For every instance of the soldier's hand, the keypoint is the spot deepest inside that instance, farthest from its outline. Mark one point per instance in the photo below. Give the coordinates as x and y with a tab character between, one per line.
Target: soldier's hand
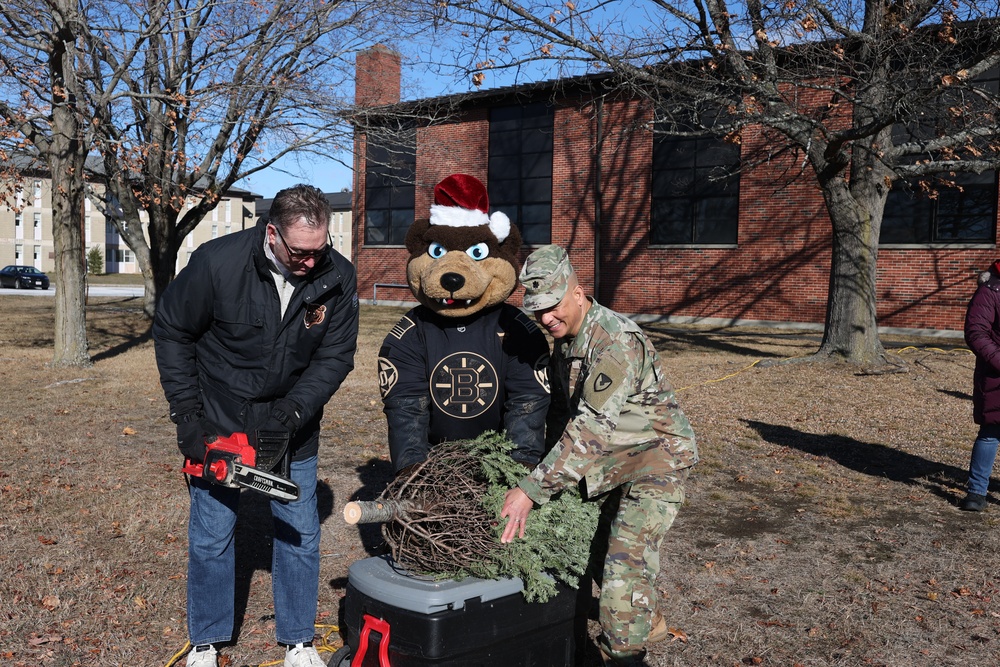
516	507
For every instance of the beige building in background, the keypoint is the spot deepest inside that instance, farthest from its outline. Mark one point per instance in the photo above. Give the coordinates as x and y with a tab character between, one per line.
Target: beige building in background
26	227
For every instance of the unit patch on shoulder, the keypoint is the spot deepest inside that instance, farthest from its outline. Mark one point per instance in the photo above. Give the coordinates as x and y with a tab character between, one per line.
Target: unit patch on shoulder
604	381
464	385
401	327
387	376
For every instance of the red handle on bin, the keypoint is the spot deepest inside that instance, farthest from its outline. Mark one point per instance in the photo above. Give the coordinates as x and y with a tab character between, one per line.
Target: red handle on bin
380	626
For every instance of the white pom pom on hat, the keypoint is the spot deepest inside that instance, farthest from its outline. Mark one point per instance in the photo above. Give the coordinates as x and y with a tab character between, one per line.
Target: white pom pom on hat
460	200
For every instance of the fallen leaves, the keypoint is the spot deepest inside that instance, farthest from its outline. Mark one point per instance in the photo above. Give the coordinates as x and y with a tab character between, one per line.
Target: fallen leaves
39	640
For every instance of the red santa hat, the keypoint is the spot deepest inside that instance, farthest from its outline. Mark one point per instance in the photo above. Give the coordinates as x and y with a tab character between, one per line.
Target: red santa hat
461	201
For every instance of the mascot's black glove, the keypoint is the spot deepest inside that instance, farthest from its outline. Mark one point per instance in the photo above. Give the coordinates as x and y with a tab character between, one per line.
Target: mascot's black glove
193	430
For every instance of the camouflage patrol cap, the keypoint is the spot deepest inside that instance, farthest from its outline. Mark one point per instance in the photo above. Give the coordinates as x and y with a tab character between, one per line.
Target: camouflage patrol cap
545	277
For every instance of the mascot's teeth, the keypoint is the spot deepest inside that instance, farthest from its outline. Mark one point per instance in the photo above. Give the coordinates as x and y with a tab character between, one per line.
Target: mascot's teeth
453	302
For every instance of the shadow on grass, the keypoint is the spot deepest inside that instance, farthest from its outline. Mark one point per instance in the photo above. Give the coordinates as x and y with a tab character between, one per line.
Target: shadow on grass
956	394
255	542
742	343
868	458
124	346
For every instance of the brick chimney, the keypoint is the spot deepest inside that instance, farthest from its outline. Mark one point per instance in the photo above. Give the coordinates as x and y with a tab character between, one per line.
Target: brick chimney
377	75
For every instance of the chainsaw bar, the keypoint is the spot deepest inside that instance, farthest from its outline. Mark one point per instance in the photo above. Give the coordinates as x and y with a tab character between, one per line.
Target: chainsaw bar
265	482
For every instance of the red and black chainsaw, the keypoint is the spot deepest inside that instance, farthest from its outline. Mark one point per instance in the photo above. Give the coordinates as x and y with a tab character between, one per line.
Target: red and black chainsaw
230	461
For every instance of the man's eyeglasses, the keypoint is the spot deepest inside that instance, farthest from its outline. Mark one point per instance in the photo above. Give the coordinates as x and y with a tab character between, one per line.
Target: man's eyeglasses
302	255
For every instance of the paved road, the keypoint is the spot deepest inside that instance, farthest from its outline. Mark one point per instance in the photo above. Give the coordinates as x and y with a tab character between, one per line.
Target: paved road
94	290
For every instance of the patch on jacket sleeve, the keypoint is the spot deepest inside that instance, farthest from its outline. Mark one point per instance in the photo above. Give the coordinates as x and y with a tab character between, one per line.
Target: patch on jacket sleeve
387	376
603	381
526	322
401	327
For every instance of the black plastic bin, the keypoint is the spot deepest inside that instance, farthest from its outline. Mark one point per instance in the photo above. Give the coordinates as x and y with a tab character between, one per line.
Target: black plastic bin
467	623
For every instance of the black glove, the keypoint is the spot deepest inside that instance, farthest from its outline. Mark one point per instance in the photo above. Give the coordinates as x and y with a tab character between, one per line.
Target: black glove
286	415
270	438
192	433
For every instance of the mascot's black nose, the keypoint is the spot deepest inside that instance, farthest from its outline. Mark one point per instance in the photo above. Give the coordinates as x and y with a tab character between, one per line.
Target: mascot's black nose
452	282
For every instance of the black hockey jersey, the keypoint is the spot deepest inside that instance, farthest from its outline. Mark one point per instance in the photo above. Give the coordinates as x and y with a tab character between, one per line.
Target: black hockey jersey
445	378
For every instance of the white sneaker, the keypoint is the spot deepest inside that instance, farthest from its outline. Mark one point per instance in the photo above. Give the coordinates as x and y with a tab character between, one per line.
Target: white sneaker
303	655
203	656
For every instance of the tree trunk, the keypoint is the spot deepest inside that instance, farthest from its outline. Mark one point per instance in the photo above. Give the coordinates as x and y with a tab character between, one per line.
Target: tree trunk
164	243
851	331
65	157
71	348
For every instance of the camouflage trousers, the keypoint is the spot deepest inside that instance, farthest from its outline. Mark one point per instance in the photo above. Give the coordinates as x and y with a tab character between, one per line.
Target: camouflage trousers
635	519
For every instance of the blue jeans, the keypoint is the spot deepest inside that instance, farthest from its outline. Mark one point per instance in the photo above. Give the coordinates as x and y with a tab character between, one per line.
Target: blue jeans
212	560
984	452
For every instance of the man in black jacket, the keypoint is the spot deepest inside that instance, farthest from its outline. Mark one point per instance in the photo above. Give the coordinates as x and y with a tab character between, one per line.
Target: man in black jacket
256	334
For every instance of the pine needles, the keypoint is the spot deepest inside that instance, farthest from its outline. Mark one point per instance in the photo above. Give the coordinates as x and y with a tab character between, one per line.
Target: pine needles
449	524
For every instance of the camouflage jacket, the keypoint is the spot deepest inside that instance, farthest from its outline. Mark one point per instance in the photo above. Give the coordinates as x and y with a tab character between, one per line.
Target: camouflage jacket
622	420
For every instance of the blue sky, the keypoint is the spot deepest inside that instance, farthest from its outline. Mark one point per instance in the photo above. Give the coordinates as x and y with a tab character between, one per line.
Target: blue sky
327	175
419	82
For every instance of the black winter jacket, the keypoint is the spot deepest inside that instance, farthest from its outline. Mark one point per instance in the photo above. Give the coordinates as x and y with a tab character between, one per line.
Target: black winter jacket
222	346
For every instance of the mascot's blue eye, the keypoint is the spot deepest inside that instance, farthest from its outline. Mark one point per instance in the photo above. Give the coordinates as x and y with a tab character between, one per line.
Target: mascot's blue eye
436	250
478	252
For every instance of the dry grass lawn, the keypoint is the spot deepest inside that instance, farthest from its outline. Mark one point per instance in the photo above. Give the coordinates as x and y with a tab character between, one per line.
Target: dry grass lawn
820	529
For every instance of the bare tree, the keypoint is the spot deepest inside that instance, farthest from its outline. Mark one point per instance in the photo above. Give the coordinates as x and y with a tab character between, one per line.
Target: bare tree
39	107
180	100
863	94
194	95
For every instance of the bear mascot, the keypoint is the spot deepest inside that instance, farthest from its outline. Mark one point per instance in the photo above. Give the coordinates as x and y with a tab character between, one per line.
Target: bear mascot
463	362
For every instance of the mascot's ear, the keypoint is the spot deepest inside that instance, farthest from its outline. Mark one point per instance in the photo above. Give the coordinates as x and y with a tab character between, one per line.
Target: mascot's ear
415	242
511	246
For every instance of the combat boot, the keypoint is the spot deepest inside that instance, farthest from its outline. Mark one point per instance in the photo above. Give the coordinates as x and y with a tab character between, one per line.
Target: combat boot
658	628
622	658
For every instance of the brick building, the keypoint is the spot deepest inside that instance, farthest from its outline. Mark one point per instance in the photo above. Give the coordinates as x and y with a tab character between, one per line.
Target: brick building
649	234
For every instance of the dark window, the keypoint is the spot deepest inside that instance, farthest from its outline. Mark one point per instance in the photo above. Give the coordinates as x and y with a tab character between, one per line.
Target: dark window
961	213
696	189
943	208
390	169
520	168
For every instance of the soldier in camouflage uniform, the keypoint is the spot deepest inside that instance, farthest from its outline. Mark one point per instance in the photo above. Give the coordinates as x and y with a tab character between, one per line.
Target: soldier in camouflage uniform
616	426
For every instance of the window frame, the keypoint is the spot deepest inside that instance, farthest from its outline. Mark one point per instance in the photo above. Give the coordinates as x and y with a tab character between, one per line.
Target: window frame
390	177
704	170
959	188
520	167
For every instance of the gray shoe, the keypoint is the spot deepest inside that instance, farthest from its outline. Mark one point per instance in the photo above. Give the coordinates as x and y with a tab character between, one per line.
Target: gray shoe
973	502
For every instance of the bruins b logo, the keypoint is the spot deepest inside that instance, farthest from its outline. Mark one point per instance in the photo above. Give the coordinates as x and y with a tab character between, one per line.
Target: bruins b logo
464	385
